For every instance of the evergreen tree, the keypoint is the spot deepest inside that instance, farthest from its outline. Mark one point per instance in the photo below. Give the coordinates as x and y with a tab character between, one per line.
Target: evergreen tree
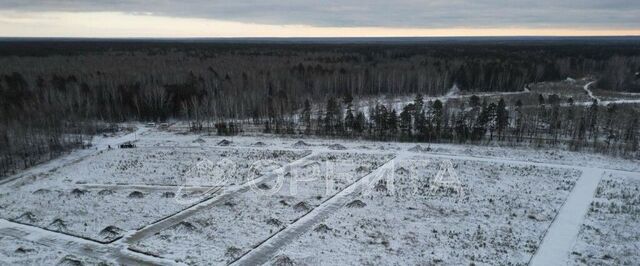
306	116
502	118
392	122
437	117
360	122
405	122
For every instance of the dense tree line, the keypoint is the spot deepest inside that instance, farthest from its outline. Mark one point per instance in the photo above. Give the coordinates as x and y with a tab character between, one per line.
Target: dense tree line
51	90
552	122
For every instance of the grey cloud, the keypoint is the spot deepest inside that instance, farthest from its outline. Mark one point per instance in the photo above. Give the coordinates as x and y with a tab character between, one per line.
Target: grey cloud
401	13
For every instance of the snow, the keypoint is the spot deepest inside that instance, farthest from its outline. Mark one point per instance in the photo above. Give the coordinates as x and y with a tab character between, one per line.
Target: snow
230	229
589	92
564	229
14	251
319	201
500	218
117	190
610	235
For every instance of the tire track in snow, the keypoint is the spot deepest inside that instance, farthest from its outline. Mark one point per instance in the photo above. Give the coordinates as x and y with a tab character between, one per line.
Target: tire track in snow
268	249
78	246
563	231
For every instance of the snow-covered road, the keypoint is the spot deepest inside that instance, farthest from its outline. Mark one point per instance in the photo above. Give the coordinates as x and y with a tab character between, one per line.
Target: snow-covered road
589	92
78	246
563	232
265	251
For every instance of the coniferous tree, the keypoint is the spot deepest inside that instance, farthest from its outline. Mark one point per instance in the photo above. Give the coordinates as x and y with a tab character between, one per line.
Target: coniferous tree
502	118
437	117
405	122
306	116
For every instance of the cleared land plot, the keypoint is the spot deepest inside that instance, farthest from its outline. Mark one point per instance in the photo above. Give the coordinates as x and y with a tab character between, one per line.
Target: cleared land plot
228	230
499	216
610	234
14	251
170	166
82	200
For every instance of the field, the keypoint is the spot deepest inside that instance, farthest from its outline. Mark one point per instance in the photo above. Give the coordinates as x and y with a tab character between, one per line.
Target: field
499	214
198	199
610	235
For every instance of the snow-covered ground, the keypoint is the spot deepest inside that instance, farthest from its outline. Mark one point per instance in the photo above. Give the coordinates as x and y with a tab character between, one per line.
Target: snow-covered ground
498	216
610	234
201	199
229	230
14	251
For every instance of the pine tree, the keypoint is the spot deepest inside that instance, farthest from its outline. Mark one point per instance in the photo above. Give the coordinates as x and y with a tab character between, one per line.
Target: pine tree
437	117
306	116
392	122
360	122
405	122
502	118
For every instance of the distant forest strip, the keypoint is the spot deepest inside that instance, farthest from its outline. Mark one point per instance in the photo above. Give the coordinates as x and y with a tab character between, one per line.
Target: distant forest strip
51	90
552	121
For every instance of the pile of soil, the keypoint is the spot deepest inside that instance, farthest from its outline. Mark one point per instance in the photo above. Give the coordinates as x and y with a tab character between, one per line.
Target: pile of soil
337	147
136	195
356	204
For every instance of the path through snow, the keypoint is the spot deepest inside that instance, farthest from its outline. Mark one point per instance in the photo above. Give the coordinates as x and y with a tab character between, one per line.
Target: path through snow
268	249
563	232
586	88
78	246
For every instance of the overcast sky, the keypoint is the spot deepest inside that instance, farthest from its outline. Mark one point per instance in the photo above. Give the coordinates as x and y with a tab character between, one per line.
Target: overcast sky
211	18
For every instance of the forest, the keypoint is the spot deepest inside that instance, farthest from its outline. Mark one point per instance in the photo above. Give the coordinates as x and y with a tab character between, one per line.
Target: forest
56	92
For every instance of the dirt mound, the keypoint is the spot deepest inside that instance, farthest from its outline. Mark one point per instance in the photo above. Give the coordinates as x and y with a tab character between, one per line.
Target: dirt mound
233	252
381	186
22	250
362	169
224	142
274	222
322	228
419	148
136	195
105	192
259	144
301	207
41	191
168	195
70	261
337	147
185	227
27	217
356	204
300	144
78	192
58	225
402	171
110	232
282	260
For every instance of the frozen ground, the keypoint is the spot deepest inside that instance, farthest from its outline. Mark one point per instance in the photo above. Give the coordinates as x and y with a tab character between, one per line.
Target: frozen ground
610	234
228	230
14	251
200	199
499	215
